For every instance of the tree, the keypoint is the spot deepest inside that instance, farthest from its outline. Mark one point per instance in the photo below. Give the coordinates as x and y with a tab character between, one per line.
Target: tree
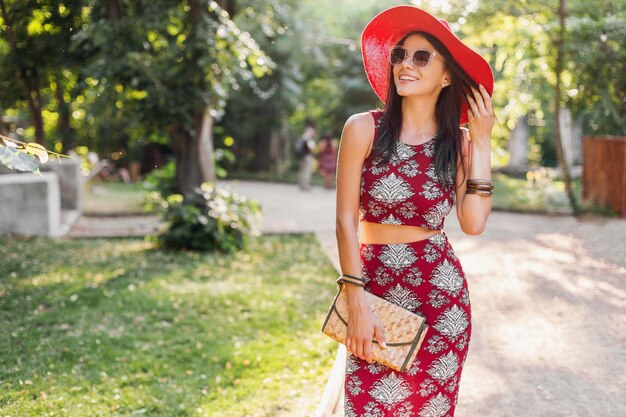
171	65
560	47
35	55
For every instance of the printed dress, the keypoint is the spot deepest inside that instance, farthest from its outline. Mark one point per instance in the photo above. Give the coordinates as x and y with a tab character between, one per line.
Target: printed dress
424	277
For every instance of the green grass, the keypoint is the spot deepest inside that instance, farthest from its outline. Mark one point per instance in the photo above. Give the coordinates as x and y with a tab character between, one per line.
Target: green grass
114	198
541	195
116	328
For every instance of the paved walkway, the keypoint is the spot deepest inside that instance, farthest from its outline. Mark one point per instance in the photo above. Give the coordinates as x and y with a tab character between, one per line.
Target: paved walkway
548	296
549	305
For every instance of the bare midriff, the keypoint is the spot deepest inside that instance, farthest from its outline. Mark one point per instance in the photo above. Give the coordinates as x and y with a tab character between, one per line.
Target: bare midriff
393	233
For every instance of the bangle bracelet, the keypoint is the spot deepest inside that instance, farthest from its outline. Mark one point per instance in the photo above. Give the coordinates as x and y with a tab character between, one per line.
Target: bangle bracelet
478	181
353	277
342	280
480	187
479	192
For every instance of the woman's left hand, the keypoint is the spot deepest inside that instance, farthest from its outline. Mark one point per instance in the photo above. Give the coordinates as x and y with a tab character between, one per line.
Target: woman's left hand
481	117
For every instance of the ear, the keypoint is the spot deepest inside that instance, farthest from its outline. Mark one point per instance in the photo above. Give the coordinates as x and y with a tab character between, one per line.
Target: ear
445	79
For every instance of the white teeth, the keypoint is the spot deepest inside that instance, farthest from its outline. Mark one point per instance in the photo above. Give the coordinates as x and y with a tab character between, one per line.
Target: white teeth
407	78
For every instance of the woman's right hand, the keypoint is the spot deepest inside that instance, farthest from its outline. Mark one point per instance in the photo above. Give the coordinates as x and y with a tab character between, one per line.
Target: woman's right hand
362	326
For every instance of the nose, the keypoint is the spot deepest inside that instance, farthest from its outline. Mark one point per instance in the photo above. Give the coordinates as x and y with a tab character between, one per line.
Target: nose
408	57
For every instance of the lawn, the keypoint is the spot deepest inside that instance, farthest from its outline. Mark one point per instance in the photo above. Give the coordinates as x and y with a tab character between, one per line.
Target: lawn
116	328
114	198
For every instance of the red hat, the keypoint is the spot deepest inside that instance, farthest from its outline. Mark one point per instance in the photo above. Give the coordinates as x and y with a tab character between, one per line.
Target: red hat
388	27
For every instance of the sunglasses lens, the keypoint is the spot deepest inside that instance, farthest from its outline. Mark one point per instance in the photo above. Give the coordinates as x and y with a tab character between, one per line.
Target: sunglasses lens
397	56
421	58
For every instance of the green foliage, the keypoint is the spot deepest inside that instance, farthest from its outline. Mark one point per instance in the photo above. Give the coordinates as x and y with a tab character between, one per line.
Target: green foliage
162	180
596	54
145	332
211	218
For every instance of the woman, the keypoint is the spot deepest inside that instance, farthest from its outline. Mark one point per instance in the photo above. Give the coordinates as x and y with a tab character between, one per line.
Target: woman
328	160
400	170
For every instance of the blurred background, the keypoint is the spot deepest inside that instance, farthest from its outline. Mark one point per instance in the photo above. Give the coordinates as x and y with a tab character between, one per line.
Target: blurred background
223	89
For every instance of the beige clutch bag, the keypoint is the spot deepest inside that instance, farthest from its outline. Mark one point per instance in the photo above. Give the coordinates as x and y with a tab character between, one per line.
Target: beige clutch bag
403	330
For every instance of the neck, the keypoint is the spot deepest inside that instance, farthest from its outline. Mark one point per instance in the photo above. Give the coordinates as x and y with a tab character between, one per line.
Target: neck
418	117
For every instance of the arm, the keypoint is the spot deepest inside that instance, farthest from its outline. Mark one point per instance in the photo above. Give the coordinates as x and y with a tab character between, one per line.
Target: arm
472	209
353	149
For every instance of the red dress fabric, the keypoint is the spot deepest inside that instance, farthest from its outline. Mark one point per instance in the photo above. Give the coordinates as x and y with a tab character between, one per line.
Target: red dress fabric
424	277
405	190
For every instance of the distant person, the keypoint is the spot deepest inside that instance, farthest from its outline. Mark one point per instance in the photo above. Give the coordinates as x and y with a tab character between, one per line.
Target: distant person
401	171
328	159
305	148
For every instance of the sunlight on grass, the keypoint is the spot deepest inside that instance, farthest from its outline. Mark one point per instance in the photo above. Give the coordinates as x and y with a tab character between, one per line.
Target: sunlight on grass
114	198
113	327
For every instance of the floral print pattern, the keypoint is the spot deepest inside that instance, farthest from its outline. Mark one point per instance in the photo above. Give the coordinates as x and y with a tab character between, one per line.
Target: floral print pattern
405	190
423	278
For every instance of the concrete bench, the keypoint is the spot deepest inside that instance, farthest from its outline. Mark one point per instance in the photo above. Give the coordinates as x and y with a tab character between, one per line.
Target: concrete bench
30	204
70	182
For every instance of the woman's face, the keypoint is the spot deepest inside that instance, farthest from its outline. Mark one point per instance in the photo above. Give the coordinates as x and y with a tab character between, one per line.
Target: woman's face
411	80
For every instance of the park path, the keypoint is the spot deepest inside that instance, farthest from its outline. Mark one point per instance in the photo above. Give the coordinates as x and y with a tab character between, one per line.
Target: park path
548	298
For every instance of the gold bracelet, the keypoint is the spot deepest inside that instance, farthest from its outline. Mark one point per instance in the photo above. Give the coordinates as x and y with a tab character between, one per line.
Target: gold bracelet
479	192
479	181
480	187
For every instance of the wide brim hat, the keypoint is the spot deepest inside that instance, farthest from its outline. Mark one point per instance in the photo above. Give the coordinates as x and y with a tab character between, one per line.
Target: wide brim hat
388	27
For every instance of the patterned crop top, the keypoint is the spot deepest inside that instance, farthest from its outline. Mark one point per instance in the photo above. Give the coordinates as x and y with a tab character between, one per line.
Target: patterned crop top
405	190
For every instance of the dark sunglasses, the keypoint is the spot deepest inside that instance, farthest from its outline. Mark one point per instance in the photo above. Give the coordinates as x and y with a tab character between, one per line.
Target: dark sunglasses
421	58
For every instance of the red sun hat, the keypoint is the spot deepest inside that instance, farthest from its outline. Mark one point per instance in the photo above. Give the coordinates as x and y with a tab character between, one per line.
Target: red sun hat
388	27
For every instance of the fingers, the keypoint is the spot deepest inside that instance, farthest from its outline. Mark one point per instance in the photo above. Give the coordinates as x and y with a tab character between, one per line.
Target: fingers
480	104
367	351
486	98
379	335
472	111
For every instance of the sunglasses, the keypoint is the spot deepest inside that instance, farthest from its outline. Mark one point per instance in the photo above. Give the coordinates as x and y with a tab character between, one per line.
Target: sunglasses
421	58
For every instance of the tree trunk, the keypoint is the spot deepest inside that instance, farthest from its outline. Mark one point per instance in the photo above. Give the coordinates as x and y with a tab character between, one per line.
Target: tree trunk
557	106
66	133
188	171
230	6
29	79
114	11
205	147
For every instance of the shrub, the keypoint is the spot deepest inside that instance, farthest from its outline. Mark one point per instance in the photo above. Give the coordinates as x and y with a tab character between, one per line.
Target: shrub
162	180
210	219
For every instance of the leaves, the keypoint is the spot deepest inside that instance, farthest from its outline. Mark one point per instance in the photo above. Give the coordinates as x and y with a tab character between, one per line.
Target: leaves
38	150
14	158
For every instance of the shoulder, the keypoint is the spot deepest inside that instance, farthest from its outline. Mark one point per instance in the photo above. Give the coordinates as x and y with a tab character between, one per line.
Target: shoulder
361	121
358	132
360	125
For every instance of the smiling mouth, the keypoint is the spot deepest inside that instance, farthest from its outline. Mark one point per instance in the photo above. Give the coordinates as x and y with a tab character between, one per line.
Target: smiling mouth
407	78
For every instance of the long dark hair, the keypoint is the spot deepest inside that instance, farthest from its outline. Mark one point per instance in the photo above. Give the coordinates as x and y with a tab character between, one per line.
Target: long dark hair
449	138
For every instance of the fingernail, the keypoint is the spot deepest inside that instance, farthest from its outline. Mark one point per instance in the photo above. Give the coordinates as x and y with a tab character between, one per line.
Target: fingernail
384	344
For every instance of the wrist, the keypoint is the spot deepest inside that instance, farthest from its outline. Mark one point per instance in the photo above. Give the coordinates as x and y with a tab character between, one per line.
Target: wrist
482	147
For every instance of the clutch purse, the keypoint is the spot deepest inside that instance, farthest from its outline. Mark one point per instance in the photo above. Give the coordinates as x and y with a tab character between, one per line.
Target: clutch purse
404	331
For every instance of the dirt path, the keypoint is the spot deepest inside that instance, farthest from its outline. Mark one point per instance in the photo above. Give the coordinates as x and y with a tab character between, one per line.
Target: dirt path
549	305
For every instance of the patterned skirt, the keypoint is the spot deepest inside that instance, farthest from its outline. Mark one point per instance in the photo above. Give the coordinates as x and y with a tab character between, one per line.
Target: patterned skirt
426	278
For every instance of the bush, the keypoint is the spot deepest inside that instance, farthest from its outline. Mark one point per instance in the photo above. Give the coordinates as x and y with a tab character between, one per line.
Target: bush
162	180
210	219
